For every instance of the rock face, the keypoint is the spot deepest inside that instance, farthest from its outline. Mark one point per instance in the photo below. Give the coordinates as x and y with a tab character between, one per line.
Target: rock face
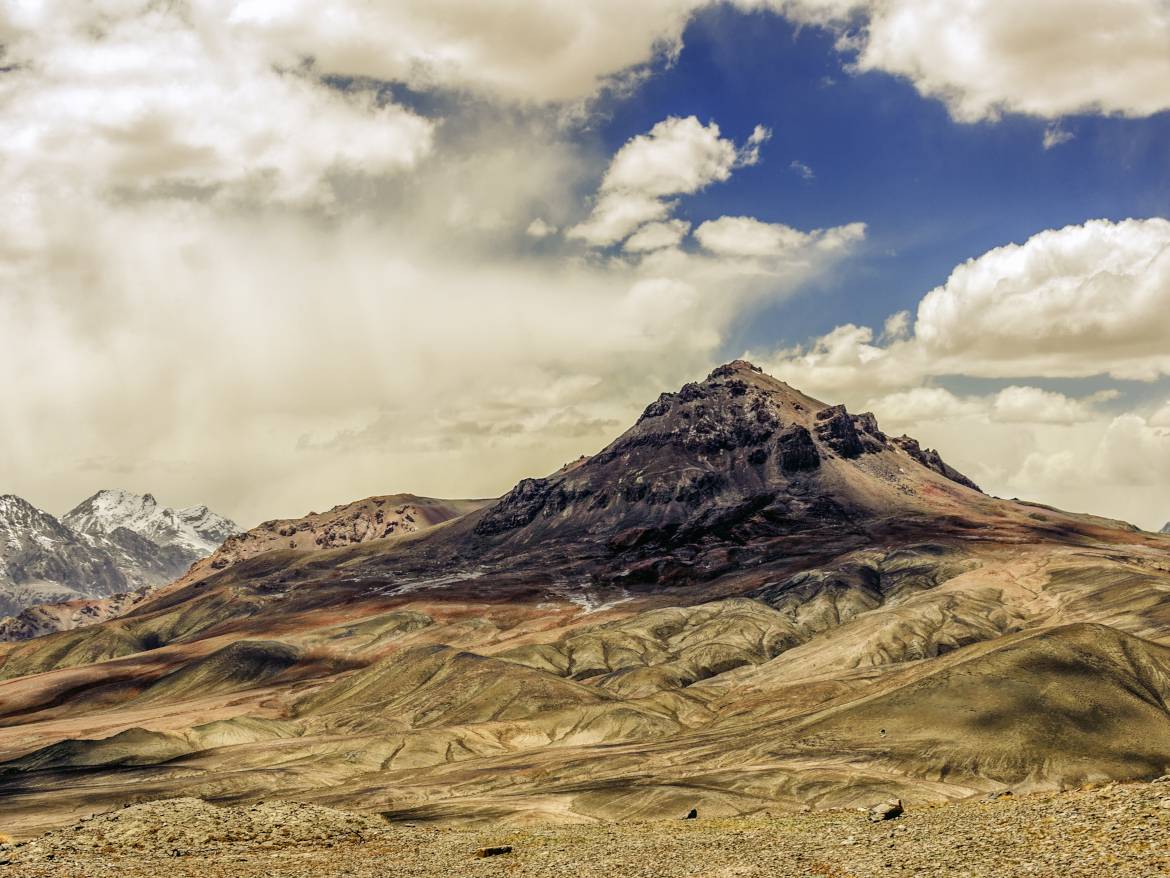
111	544
737	458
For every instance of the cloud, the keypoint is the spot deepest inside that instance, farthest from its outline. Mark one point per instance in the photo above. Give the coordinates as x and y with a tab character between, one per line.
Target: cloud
1074	302
1161	418
802	170
538	228
1032	405
910	407
1082	300
1055	135
142	102
749	237
1135	452
1045	58
1015	404
532	50
678	156
656	236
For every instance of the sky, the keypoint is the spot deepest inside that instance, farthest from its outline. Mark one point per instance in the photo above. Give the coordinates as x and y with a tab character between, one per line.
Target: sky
276	256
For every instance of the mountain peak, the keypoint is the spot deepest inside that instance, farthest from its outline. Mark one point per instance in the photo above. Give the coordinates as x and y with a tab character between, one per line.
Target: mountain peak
734	367
195	528
738	440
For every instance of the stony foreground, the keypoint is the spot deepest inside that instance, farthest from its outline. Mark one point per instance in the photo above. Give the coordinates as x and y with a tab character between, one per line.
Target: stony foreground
1117	830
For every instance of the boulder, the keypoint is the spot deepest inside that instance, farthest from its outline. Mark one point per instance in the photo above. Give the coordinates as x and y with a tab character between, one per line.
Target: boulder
891	809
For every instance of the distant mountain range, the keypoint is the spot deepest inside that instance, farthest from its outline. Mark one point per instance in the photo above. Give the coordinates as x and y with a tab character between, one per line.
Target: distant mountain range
113	542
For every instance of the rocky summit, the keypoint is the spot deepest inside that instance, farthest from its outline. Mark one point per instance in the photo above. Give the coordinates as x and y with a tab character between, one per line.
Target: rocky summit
751	602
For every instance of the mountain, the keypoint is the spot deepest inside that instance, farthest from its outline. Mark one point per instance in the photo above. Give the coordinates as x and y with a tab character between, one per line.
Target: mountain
43	560
1165	528
195	529
111	544
749	600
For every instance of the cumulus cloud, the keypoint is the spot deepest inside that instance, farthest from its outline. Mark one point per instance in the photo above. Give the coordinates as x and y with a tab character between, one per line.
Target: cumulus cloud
538	228
1033	405
1075	302
920	404
1135	452
1046	58
532	50
113	96
678	156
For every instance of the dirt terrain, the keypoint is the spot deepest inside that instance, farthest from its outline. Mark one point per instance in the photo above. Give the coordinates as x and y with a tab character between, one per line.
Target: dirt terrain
1117	830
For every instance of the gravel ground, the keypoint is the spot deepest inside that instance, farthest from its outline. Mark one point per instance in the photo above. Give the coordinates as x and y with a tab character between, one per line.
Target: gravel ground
1121	830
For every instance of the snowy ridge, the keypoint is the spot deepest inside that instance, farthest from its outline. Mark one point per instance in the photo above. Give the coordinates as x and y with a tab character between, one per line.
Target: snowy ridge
114	542
195	528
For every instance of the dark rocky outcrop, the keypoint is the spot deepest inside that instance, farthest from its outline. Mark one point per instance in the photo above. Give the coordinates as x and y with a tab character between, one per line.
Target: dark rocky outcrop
931	459
798	452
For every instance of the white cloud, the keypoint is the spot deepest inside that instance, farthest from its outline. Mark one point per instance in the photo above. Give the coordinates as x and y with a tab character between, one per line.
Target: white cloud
802	170
1161	418
112	97
616	215
1076	301
679	156
657	236
749	237
1032	405
1055	135
528	50
1135	452
897	326
1046	58
919	404
1068	303
538	228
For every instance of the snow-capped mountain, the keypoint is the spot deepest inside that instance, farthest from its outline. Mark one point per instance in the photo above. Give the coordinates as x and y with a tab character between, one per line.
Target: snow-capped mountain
196	528
114	542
